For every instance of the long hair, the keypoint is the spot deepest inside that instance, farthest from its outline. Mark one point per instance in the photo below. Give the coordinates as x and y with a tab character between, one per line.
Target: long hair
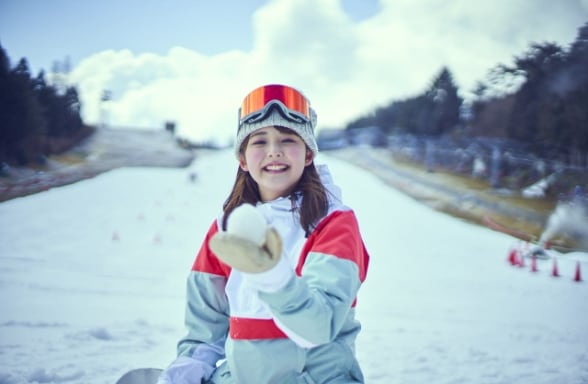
314	205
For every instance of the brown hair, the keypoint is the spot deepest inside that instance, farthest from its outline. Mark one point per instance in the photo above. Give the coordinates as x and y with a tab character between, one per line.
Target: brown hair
315	203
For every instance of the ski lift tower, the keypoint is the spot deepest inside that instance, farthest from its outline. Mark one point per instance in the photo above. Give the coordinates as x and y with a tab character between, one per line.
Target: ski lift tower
104	100
59	75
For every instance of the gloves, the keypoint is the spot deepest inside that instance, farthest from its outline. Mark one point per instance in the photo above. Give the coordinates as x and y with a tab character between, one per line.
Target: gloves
185	370
246	256
254	249
263	267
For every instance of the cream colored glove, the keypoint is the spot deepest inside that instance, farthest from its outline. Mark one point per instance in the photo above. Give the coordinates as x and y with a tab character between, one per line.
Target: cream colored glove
246	256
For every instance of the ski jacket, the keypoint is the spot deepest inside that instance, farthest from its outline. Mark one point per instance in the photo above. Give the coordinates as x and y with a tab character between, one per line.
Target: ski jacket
302	333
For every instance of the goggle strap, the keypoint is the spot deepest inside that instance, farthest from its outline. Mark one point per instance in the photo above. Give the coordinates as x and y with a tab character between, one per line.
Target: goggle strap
287	113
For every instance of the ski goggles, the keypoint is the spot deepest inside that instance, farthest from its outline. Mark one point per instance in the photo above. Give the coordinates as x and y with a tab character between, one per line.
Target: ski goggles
258	104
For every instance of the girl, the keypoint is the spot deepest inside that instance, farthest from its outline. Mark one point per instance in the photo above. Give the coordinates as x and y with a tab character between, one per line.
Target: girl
282	312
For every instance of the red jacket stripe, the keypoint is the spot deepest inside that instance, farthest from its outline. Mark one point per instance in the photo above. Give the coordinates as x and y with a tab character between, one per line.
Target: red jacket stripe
206	260
338	235
241	328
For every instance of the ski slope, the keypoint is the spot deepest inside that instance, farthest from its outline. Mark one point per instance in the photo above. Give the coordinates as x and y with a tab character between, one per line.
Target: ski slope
92	284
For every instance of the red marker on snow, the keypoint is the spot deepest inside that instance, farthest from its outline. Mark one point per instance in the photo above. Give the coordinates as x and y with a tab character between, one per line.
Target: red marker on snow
512	257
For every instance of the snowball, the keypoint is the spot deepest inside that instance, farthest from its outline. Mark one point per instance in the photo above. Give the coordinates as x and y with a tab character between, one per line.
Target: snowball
248	223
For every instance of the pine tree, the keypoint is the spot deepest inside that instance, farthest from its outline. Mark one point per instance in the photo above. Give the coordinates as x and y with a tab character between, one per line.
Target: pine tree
440	106
22	122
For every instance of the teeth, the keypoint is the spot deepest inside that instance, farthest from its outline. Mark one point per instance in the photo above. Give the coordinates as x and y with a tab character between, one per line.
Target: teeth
275	167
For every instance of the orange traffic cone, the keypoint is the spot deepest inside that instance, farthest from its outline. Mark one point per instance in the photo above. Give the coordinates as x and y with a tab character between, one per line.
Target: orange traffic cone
512	257
555	271
578	275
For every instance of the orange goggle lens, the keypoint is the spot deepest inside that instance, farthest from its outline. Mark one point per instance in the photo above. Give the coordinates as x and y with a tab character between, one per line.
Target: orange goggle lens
291	98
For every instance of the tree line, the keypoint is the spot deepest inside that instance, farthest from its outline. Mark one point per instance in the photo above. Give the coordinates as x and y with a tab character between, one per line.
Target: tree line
546	113
37	119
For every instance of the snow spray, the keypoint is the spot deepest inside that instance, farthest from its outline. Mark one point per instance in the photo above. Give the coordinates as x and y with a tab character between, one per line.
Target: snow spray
569	219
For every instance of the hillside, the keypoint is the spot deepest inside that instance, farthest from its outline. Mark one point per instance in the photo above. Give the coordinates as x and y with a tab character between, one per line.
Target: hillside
105	150
470	199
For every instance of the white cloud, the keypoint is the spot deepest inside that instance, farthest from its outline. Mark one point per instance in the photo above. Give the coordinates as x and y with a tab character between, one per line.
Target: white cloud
346	68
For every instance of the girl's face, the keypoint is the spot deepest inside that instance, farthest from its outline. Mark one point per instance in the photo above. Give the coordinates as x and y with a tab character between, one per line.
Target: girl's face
275	159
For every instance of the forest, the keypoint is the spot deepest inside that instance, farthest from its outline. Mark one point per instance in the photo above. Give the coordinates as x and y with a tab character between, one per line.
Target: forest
37	119
538	104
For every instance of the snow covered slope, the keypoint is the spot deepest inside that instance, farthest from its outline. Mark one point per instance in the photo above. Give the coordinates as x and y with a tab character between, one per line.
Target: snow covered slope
105	150
92	284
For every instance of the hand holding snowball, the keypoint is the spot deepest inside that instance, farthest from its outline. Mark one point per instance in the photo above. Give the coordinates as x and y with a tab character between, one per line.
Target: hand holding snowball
247	223
249	244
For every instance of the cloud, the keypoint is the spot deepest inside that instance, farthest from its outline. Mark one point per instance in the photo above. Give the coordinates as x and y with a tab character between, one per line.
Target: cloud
148	90
346	68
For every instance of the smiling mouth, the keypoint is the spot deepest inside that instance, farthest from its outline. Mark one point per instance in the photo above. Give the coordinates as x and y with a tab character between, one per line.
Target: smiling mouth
275	167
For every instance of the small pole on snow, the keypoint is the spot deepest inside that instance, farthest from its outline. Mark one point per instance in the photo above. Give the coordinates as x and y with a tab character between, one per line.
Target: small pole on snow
534	263
578	274
521	260
555	271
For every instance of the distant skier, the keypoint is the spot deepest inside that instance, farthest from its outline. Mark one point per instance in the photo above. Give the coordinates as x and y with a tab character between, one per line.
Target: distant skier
282	311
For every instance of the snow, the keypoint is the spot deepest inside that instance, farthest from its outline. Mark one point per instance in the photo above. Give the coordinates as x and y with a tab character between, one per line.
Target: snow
92	284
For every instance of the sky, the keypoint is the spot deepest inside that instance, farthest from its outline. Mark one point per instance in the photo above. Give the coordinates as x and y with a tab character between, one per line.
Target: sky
95	285
192	62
